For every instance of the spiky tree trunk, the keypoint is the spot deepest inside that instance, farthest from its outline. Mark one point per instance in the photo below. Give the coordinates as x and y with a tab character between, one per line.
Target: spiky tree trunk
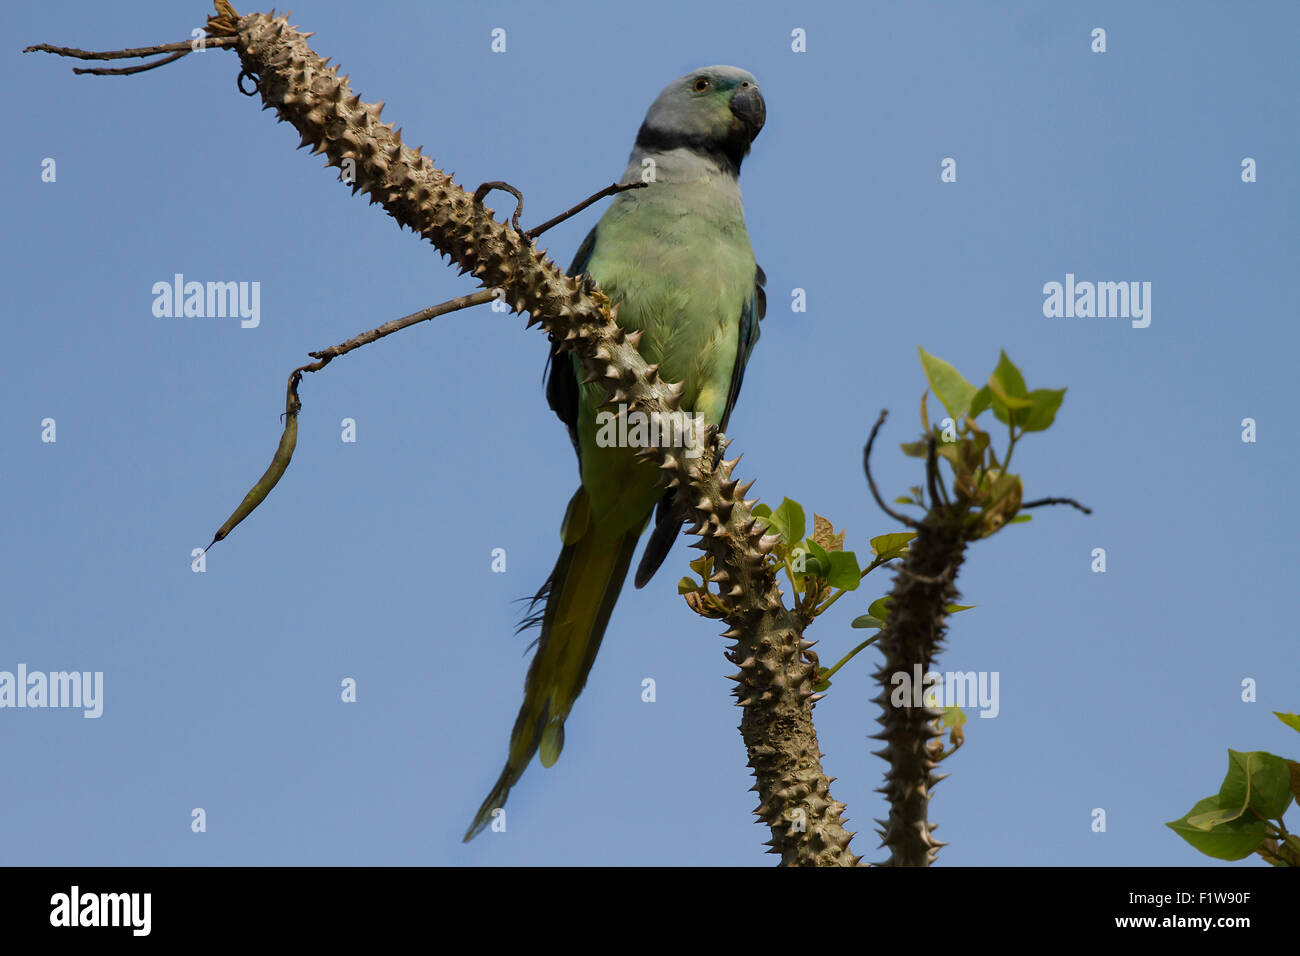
911	639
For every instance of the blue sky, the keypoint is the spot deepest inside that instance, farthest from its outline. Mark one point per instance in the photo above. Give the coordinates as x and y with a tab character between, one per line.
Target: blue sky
372	559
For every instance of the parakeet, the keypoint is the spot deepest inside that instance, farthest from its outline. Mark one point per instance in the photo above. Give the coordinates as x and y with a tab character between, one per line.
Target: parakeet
676	260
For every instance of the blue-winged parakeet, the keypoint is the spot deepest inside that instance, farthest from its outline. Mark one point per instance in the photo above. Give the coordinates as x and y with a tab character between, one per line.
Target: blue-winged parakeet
676	261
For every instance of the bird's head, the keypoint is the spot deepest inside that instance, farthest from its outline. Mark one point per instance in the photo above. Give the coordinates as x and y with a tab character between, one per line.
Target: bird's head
716	110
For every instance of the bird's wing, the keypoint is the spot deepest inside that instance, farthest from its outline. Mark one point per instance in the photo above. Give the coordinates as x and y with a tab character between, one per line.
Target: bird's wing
561	382
668	520
754	311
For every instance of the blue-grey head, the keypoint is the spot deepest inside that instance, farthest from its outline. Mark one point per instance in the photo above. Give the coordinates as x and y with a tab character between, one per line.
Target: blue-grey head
715	112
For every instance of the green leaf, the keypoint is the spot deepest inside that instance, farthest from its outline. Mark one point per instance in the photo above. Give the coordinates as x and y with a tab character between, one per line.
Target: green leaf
1040	416
915	449
954	608
982	400
1258	780
686	586
880	608
1007	379
1228	841
948	384
866	620
1002	400
1021	519
815	549
818	562
844	572
761	511
1213	818
789	517
1008	388
893	544
904	501
950	450
1291	720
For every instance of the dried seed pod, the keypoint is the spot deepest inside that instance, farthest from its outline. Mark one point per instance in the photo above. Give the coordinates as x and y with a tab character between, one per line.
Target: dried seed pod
283	454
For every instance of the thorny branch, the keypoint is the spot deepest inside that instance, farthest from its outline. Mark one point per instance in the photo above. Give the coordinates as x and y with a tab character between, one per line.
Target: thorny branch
774	682
913	634
293	405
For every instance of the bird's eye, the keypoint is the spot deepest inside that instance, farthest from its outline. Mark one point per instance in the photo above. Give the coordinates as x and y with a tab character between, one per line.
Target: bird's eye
701	84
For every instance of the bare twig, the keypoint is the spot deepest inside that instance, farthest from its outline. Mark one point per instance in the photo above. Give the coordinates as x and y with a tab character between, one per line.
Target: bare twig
293	405
932	479
388	328
177	50
486	188
611	190
184	46
1038	503
131	70
871	482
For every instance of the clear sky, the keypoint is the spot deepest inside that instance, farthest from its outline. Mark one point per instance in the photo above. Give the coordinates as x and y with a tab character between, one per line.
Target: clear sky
372	560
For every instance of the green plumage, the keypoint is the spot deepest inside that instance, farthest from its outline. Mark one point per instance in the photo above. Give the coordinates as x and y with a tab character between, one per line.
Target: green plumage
677	262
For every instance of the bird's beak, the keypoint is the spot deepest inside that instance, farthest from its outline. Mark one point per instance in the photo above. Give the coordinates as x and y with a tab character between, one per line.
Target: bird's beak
747	106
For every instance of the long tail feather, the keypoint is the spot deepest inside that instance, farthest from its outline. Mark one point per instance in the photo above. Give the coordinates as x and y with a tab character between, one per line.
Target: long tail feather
580	594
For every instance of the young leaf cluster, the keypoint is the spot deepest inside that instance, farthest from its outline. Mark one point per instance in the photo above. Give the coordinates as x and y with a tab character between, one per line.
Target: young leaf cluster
1245	816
